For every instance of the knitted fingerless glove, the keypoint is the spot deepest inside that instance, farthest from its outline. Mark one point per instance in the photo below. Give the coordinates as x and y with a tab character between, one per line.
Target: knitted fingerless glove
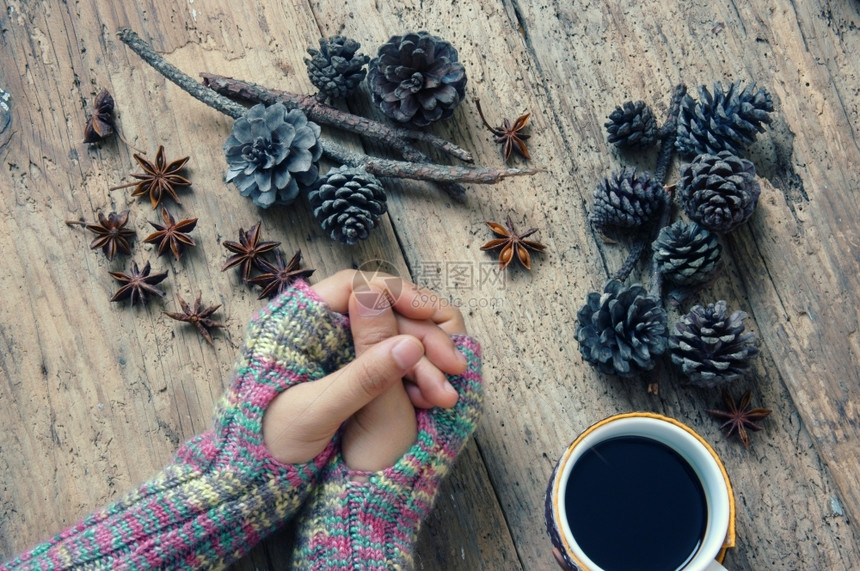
370	520
223	492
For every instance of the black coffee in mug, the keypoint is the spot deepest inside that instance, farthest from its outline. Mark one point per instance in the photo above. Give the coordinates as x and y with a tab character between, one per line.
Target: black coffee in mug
634	503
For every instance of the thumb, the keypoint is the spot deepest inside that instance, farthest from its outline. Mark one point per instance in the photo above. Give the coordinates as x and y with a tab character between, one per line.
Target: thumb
371	317
301	421
368	376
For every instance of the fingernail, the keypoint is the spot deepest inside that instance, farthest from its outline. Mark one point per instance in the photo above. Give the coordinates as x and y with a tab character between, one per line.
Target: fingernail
406	352
449	388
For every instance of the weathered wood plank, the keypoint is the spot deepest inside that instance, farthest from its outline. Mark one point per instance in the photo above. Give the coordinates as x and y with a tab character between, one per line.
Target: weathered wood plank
100	395
97	396
570	64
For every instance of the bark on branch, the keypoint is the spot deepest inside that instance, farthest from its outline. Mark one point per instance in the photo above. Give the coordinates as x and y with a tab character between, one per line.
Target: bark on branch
667	134
319	112
416	167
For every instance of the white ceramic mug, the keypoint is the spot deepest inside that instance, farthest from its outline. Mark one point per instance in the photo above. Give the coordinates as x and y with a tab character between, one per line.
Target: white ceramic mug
720	526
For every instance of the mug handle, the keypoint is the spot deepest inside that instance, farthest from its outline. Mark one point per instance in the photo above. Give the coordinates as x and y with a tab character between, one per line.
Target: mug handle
714	566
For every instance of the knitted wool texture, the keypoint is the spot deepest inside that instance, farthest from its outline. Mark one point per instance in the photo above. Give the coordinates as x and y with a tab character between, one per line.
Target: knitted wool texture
224	492
370	520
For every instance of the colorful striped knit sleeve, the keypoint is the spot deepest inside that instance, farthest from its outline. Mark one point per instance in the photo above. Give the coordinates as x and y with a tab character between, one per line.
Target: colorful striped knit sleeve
224	492
361	520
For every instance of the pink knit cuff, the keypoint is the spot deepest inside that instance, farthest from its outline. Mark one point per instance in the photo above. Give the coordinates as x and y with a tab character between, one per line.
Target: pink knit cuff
224	492
369	520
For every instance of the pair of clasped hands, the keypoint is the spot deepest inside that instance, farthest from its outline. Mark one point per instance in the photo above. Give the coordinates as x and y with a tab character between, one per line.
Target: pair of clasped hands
403	350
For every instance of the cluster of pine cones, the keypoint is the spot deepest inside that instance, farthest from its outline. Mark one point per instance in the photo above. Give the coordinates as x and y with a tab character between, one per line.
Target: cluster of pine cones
623	330
272	153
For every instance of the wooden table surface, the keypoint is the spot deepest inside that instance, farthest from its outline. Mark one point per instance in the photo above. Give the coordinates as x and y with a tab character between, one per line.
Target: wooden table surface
95	396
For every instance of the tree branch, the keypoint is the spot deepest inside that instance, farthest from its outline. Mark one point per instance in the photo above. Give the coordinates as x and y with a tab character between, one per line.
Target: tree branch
667	152
418	169
319	112
177	76
421	171
668	133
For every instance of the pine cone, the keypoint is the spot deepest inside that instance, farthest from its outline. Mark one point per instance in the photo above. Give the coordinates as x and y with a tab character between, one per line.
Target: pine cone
416	79
622	330
687	254
272	153
710	346
720	192
335	69
632	126
347	203
627	200
728	121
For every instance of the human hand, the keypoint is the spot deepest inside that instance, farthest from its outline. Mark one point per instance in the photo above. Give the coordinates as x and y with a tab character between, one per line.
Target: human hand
391	456
382	430
300	422
419	312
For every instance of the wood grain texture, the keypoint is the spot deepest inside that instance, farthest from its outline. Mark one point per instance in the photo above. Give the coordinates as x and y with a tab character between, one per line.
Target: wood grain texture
96	396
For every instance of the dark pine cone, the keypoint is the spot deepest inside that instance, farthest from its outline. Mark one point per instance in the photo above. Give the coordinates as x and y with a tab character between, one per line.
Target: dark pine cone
726	121
632	126
686	254
336	69
627	200
720	192
710	346
416	79
347	203
622	330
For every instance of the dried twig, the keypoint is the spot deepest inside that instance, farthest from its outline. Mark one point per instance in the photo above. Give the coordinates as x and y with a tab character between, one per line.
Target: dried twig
177	76
319	112
668	132
413	169
646	237
420	171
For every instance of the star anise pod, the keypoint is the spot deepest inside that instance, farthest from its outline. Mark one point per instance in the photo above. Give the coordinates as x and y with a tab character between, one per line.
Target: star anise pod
111	234
172	234
513	245
138	283
248	251
196	316
278	276
159	178
101	123
740	418
510	136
